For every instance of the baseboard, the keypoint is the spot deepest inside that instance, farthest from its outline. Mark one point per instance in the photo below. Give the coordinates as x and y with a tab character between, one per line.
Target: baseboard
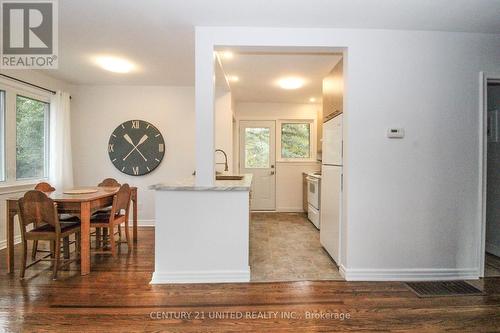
145	223
290	210
342	271
493	249
3	243
413	274
200	277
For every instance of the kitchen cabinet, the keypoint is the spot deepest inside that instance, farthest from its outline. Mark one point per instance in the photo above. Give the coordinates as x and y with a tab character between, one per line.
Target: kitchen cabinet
333	89
319	132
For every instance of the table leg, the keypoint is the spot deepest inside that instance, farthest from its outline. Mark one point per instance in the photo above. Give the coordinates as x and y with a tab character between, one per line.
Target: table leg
85	238
10	239
134	222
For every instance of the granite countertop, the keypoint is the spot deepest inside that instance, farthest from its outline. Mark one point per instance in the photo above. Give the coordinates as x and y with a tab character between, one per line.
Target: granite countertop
220	185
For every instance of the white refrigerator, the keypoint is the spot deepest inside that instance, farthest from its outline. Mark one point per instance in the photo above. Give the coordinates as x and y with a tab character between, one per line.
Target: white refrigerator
331	187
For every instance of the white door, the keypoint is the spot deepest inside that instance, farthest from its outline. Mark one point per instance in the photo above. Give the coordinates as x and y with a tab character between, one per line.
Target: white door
257	156
330	212
332	141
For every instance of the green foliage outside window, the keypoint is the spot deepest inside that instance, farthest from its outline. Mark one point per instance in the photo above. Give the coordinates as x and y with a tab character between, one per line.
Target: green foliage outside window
31	145
295	140
257	147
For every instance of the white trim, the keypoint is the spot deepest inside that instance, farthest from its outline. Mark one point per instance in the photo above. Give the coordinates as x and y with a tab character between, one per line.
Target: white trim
483	156
16	188
342	270
410	274
3	243
201	276
493	249
290	210
145	223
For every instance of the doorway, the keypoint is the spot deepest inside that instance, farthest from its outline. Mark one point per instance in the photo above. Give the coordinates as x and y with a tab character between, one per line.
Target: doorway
491	176
257	157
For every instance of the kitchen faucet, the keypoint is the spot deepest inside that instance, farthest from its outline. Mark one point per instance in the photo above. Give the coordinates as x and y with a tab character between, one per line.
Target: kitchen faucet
226	167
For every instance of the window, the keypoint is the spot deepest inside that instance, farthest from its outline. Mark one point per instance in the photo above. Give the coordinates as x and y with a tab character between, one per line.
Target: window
296	140
2	135
257	143
31	138
24	134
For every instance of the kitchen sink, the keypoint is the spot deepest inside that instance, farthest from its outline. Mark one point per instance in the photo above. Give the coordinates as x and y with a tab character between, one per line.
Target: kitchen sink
228	177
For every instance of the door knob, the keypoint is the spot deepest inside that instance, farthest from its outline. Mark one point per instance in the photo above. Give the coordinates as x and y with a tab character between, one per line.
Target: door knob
272	173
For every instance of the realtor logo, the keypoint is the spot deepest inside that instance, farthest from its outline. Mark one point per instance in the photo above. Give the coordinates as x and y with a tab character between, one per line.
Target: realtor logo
29	34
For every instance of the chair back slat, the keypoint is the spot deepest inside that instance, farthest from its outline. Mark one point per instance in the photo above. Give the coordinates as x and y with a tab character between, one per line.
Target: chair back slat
121	201
109	182
44	187
37	208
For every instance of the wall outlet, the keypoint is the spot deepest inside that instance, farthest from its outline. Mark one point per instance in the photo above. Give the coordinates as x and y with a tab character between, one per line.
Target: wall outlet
396	133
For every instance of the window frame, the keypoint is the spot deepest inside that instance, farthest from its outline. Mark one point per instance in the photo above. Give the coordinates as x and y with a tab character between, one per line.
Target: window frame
3	112
12	90
312	140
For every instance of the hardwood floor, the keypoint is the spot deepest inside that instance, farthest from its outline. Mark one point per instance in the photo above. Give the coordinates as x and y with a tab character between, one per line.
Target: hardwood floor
117	297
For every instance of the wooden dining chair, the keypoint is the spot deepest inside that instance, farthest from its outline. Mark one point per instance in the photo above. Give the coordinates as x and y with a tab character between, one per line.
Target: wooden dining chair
107	182
38	210
44	187
118	215
47	188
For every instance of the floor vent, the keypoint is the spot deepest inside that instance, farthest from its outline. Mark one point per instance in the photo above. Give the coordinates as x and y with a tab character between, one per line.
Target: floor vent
443	288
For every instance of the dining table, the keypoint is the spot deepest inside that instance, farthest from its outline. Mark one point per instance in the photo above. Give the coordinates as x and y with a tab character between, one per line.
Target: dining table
82	205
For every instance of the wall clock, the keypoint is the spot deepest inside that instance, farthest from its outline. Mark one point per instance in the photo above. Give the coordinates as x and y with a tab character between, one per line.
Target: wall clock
136	147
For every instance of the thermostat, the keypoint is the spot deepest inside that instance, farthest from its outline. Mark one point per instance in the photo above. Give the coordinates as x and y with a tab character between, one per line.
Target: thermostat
396	133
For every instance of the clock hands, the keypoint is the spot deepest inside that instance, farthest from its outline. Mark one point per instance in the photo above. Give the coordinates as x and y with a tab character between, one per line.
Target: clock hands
141	141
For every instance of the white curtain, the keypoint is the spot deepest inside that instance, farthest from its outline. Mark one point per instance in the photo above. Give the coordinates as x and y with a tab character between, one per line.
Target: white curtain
61	161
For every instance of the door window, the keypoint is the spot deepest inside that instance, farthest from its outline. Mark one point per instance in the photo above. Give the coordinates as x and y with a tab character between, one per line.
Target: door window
257	143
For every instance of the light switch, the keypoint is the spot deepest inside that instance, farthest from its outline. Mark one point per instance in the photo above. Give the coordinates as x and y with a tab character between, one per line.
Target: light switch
396	133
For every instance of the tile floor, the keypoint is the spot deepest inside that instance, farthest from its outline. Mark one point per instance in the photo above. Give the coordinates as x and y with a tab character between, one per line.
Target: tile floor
286	247
492	267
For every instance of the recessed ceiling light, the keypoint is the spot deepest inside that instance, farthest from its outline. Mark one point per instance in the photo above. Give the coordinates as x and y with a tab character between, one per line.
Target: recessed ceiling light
312	99
114	64
227	55
233	78
291	83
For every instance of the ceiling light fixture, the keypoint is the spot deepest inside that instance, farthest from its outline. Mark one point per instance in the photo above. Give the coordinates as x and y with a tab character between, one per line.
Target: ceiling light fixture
233	78
312	99
290	83
114	64
226	55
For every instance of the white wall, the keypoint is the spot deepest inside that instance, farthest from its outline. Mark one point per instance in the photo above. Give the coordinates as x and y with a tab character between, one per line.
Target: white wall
411	206
223	128
41	79
98	110
288	174
493	183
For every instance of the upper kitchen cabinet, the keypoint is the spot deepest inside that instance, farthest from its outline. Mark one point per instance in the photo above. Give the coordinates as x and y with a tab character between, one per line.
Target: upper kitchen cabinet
333	91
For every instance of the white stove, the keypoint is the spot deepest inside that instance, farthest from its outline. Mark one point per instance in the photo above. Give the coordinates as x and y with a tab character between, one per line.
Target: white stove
314	198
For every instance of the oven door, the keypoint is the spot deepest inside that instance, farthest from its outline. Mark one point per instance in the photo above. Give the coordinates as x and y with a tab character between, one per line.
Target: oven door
313	191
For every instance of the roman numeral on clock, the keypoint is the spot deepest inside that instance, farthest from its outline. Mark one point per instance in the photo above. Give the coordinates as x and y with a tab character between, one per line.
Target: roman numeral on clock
135	124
